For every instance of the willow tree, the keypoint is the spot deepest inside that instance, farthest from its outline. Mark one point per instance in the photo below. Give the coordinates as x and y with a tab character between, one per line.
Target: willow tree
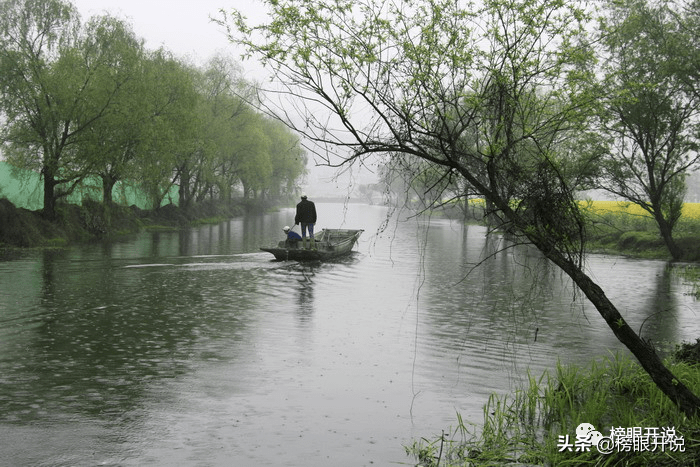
288	159
218	106
686	56
170	130
40	96
650	111
492	91
56	85
109	147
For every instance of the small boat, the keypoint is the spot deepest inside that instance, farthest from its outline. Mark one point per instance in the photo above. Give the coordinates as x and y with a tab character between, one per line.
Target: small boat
330	243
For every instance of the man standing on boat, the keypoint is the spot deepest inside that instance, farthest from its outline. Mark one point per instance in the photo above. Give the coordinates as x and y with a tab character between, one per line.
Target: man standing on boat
306	216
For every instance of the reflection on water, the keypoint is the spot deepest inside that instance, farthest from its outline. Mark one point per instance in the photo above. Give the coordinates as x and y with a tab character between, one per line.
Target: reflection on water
194	348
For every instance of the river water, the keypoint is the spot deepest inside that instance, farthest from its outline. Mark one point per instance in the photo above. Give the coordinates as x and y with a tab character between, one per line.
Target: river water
194	348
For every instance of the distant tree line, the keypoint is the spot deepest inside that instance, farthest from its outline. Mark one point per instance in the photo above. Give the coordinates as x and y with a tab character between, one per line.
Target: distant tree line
89	101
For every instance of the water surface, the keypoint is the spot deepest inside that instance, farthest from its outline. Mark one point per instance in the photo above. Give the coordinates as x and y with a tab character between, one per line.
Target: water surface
195	348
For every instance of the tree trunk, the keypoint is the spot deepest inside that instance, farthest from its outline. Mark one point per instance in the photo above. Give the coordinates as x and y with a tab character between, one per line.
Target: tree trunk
49	210
678	392
107	188
184	192
666	232
108	182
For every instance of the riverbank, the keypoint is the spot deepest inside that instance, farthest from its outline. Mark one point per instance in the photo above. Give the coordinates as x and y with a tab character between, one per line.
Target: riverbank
23	228
539	424
610	231
624	228
613	227
641	244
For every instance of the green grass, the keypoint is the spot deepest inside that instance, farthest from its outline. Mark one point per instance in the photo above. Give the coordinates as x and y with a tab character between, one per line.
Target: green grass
622	228
691	275
525	428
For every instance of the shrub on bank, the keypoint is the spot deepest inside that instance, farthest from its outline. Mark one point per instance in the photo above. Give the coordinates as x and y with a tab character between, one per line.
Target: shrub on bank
19	227
538	424
623	227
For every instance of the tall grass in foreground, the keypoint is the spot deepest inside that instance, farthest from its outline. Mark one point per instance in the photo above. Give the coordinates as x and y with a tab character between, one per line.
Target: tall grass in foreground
525	428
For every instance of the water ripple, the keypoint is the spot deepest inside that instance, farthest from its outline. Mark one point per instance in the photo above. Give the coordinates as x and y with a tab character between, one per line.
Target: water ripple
195	347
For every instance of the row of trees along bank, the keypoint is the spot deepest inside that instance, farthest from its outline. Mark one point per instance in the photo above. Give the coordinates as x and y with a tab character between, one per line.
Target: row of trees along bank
84	101
521	103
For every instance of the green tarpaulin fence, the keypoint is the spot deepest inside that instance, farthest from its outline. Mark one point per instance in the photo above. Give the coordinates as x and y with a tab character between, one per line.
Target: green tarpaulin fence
24	189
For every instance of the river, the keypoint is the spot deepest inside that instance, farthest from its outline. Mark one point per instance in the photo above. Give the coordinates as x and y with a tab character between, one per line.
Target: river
194	348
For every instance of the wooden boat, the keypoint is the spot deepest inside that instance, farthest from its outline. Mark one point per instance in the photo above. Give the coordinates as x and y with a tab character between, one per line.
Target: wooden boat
330	243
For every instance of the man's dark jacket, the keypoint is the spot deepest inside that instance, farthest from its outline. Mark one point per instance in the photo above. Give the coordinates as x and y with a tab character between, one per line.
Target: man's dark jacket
306	212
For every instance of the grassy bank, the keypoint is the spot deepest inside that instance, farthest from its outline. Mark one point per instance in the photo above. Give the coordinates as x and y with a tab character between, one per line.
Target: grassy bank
537	425
625	228
22	228
616	228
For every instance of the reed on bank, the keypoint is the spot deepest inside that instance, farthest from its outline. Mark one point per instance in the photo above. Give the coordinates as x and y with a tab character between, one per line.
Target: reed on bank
530	426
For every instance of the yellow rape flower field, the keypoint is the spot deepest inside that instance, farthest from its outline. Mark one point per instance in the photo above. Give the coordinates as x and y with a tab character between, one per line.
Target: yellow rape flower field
691	211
